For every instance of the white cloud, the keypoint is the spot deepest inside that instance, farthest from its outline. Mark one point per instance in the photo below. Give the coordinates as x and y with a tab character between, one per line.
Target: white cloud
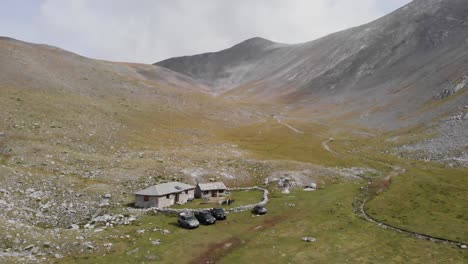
152	30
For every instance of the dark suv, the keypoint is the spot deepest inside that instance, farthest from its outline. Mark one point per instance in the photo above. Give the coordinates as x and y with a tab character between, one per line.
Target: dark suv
187	220
259	210
205	217
218	213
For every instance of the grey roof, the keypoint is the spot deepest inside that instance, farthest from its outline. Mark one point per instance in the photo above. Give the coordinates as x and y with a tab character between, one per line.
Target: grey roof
212	186
165	188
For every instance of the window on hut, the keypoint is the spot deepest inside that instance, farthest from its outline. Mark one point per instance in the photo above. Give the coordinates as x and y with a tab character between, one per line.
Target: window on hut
168	196
146	198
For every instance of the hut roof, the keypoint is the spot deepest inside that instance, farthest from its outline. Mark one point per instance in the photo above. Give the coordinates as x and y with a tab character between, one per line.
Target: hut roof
211	186
165	188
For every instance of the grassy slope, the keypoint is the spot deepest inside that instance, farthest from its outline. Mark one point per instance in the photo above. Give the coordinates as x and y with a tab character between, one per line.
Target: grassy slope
271	140
427	198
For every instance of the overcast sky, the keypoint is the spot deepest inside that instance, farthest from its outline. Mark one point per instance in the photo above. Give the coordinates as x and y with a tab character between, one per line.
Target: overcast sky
152	30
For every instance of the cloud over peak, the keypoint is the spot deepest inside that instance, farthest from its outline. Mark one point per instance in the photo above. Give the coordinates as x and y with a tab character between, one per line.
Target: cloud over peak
148	30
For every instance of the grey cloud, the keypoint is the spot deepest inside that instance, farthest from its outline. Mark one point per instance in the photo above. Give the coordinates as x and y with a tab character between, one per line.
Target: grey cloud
148	30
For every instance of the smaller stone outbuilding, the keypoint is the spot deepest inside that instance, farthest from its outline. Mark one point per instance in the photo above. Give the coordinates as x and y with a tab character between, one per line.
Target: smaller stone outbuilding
164	195
208	190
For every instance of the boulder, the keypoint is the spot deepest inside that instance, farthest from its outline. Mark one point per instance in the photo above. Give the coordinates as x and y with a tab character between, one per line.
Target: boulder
309	239
310	187
156	242
104	203
73	227
36	195
29	247
88	245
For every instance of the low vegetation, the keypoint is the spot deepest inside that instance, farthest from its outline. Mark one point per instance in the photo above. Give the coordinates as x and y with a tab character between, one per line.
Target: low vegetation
240	198
430	199
326	215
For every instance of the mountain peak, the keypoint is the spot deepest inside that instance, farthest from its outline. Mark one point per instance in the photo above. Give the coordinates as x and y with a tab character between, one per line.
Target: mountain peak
256	42
431	6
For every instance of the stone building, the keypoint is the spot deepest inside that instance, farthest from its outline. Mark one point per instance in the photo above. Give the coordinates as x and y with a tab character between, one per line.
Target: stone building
164	195
212	189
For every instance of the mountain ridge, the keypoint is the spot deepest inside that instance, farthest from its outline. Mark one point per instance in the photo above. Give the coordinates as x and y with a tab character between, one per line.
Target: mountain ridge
392	60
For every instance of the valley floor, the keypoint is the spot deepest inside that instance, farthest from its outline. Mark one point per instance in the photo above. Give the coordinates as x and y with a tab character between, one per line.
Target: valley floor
326	215
423	197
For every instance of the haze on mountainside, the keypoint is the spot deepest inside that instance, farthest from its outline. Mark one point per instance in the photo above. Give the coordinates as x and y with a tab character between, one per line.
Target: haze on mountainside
397	64
375	117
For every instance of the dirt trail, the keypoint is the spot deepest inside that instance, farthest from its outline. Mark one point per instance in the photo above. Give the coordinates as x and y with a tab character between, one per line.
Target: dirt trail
327	147
404	231
395	172
324	143
362	133
287	125
216	251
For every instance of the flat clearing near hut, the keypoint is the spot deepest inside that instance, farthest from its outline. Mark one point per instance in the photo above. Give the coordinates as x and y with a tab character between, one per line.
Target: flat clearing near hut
240	198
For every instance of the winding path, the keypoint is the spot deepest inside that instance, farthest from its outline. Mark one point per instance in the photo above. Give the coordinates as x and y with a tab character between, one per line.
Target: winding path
324	143
362	210
404	231
396	172
326	146
288	125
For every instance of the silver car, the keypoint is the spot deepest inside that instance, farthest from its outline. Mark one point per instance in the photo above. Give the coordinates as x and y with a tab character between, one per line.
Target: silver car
187	220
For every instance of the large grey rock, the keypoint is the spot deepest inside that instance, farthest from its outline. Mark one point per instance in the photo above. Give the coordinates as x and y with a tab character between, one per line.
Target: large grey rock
156	242
38	195
88	245
74	227
309	239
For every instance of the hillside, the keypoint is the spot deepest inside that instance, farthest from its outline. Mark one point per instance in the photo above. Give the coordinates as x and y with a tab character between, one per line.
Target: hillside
406	68
56	88
81	125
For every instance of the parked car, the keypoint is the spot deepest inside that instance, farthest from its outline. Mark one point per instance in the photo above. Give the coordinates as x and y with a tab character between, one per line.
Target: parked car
205	217
259	210
187	220
218	213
